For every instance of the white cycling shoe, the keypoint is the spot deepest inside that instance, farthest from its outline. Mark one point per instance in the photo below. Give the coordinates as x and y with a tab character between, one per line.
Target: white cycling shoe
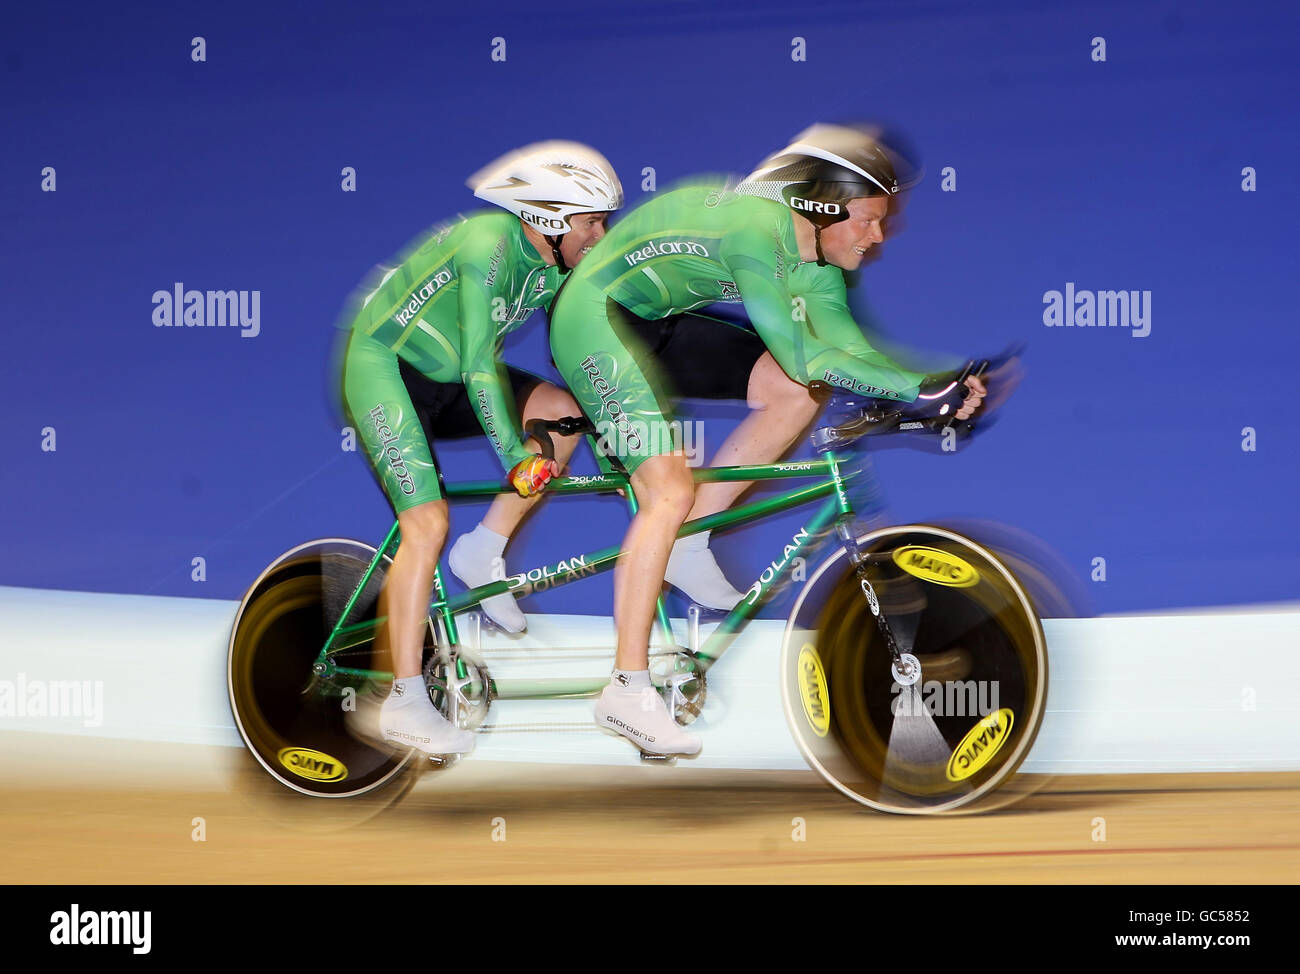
418	724
363	722
471	561
693	569
640	715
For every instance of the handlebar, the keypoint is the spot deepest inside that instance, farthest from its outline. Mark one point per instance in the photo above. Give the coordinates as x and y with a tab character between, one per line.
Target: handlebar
875	416
541	430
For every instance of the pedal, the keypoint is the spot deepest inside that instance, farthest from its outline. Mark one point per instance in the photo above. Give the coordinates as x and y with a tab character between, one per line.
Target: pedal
485	623
680	598
670	674
646	756
703	613
431	762
489	624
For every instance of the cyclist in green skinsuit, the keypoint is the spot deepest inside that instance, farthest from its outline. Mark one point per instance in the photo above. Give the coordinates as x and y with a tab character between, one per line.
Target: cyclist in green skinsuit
420	362
778	243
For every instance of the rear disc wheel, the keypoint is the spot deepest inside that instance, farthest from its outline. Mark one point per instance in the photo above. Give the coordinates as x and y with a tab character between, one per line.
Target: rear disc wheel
294	720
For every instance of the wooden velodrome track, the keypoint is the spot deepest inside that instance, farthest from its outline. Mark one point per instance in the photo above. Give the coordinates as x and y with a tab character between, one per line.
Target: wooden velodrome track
79	810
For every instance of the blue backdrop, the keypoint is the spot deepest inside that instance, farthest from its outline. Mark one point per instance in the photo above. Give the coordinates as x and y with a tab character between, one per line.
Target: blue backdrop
1127	173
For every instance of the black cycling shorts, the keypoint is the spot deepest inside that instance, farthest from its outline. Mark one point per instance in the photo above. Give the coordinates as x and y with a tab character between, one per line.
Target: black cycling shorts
444	408
698	356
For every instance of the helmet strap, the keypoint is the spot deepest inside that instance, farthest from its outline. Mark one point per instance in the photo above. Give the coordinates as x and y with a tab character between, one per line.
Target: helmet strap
554	241
817	239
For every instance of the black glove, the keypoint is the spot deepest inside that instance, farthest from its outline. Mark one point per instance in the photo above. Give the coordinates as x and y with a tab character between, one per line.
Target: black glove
940	397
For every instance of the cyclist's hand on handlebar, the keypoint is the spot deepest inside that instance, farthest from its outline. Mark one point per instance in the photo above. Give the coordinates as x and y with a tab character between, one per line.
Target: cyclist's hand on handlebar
943	397
977	391
1004	374
529	477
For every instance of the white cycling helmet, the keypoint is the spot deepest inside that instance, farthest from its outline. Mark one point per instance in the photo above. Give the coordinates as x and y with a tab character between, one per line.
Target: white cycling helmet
546	183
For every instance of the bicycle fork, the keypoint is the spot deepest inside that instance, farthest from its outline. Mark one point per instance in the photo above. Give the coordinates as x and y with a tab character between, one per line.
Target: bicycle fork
905	667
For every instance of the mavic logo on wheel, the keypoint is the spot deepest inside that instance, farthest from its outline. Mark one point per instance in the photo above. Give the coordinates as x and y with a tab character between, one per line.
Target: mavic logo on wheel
316	765
933	565
979	746
813	691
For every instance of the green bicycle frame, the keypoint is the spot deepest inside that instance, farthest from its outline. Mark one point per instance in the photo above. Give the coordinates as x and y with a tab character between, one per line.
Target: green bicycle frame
836	509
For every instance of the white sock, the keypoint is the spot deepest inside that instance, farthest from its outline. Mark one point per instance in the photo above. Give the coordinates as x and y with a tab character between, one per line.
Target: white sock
693	569
694	542
629	679
407	691
487	541
476	559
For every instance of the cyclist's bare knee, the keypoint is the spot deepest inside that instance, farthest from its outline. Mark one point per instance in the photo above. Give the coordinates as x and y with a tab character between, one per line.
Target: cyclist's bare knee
664	485
547	401
770	388
424	527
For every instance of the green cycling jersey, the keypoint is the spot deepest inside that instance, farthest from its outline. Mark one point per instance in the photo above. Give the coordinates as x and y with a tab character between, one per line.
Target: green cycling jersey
704	244
446	307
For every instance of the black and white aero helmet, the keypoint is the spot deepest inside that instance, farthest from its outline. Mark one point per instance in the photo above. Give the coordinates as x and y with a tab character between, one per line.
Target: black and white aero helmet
546	183
827	165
